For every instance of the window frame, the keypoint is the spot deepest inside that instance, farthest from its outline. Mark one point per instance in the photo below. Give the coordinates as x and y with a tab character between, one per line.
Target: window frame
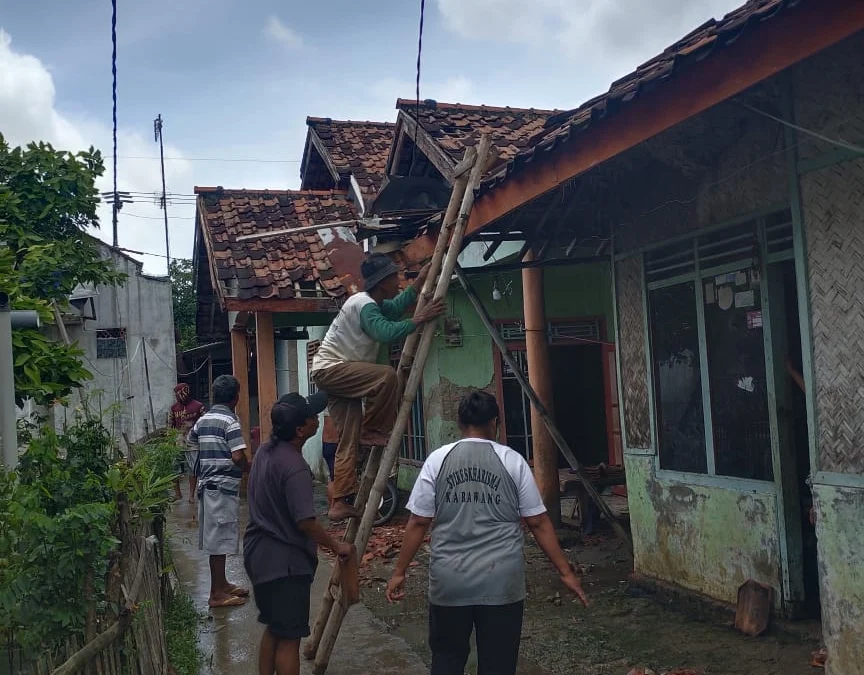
121	337
697	276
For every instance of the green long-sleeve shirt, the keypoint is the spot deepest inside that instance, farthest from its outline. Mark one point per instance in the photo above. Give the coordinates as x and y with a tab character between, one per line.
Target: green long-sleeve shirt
382	322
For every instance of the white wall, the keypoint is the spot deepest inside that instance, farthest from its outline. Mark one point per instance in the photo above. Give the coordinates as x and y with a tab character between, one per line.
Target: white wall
119	390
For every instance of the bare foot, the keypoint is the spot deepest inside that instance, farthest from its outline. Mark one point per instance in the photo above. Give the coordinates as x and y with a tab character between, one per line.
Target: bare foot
226	600
238	591
340	511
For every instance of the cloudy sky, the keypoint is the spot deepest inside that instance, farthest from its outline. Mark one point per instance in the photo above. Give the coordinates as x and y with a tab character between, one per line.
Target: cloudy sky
235	80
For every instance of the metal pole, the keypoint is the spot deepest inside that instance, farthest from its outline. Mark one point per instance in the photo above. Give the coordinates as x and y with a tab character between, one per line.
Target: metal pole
157	130
8	429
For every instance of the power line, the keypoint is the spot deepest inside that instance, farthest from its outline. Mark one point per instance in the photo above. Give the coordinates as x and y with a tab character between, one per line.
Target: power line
114	108
138	215
217	159
417	104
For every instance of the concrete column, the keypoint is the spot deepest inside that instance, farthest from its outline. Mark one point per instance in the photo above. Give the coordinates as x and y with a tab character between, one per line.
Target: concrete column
287	379
240	368
266	356
545	451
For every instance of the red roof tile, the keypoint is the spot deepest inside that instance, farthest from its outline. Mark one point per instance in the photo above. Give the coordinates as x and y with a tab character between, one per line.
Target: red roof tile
356	148
274	267
455	125
696	46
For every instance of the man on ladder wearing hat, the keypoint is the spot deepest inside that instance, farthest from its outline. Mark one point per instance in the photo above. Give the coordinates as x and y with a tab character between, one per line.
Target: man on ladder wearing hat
346	367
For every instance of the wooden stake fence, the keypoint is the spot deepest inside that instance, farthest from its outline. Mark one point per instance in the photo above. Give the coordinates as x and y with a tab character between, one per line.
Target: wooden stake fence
380	464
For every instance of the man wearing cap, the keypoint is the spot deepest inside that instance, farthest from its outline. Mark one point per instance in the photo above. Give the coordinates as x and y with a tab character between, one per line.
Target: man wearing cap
184	413
280	547
346	368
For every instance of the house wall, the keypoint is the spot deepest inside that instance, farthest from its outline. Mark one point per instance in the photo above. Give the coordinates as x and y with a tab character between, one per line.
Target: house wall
312	448
829	97
119	391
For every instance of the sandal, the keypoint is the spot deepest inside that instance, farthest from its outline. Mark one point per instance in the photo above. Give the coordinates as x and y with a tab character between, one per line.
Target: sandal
232	601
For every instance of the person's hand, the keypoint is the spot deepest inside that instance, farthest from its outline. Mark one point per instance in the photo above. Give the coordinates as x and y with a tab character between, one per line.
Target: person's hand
430	312
574	585
344	549
420	279
395	588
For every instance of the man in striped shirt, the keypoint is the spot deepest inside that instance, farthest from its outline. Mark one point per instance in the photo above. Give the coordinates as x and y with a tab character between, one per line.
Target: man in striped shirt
218	440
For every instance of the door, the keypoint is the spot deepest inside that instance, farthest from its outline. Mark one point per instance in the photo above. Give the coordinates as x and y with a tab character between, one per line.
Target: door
613	414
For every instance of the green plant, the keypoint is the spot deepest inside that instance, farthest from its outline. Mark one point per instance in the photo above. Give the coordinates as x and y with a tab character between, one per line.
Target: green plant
48	199
181	634
184	302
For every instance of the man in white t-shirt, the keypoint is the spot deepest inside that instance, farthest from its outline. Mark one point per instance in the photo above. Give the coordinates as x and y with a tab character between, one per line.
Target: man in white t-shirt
477	492
345	366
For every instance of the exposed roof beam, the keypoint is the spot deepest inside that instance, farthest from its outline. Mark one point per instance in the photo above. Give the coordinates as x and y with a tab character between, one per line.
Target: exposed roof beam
301	230
425	143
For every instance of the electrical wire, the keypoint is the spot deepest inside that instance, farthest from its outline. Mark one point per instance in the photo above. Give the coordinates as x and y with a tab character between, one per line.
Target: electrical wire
217	159
417	103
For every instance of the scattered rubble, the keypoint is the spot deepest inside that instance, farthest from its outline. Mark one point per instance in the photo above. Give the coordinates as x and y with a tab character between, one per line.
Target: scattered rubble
385	543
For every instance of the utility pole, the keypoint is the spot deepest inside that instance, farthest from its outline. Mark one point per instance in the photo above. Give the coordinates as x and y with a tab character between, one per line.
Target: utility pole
157	137
8	425
117	200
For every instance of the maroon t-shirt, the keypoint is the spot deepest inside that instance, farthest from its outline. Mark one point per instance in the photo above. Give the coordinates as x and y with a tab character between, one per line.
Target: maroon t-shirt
184	415
279	496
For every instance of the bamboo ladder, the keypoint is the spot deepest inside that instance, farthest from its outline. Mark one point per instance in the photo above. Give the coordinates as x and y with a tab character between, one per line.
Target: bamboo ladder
380	463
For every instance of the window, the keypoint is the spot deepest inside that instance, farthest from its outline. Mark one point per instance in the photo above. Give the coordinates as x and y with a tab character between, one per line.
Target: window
111	343
707	346
414	440
517	407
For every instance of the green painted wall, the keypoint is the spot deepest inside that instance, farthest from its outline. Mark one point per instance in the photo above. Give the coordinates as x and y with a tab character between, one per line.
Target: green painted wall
706	539
571	292
839	518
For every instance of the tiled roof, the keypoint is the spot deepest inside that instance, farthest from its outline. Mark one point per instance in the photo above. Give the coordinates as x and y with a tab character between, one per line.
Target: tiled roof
696	46
356	148
455	126
274	267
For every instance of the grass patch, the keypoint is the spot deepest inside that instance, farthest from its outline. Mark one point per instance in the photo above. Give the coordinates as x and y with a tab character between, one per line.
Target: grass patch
181	634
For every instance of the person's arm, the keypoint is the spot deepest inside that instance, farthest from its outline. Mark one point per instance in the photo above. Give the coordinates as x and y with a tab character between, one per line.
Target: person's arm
192	438
237	445
398	306
412	540
421	504
381	329
531	508
544	532
312	529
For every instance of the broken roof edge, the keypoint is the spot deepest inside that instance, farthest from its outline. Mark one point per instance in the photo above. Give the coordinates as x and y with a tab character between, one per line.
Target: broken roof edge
312	121
205	190
407	105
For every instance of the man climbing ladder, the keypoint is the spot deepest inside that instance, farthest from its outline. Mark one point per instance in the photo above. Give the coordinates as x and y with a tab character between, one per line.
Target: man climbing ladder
346	367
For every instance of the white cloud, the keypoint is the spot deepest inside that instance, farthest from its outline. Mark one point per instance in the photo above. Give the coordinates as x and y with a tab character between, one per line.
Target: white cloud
284	35
458	89
615	35
28	113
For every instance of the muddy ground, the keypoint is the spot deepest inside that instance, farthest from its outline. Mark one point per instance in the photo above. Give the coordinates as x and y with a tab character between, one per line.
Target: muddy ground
621	629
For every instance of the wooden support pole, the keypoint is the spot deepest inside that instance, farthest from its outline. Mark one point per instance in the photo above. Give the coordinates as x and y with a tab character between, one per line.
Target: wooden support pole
537	403
369	506
265	355
545	452
240	369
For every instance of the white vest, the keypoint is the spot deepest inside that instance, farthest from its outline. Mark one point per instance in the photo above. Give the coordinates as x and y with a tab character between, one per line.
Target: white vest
345	339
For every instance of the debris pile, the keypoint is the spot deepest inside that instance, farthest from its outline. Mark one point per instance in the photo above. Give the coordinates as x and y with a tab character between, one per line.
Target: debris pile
385	542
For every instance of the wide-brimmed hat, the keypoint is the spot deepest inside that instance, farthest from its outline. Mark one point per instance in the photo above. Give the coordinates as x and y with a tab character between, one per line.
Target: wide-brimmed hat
376	268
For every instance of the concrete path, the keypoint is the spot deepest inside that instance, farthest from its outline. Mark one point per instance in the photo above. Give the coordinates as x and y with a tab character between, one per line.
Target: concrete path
230	636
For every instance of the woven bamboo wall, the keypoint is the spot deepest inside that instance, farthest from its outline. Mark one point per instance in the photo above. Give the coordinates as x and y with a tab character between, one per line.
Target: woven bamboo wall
833	200
634	371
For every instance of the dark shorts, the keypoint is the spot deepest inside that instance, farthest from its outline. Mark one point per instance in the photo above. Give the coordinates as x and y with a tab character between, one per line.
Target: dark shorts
283	605
329	452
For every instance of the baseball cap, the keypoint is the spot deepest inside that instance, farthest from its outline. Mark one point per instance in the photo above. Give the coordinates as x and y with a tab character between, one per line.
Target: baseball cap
292	410
376	268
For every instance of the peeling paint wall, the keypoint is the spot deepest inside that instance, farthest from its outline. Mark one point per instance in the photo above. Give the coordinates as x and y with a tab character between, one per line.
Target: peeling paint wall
706	539
841	575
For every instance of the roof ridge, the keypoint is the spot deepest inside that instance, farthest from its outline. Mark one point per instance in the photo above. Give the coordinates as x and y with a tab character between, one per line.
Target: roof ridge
403	103
311	120
241	191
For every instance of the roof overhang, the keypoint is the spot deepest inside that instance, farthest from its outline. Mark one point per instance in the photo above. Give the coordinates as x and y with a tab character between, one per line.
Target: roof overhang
794	35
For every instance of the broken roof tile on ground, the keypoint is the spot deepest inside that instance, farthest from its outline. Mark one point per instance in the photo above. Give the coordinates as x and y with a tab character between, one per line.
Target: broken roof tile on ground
455	126
281	266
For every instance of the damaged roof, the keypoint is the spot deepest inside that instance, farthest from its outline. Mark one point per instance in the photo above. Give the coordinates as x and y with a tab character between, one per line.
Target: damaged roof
358	149
322	263
455	126
699	44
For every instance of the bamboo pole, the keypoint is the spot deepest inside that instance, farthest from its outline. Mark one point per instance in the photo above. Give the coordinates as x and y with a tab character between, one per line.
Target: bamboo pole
528	390
407	357
339	609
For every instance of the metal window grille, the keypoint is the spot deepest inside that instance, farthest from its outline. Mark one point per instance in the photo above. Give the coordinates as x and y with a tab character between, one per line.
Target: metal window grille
414	440
312	348
111	343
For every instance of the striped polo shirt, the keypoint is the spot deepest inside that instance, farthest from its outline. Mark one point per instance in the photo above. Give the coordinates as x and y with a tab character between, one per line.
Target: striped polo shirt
215	436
